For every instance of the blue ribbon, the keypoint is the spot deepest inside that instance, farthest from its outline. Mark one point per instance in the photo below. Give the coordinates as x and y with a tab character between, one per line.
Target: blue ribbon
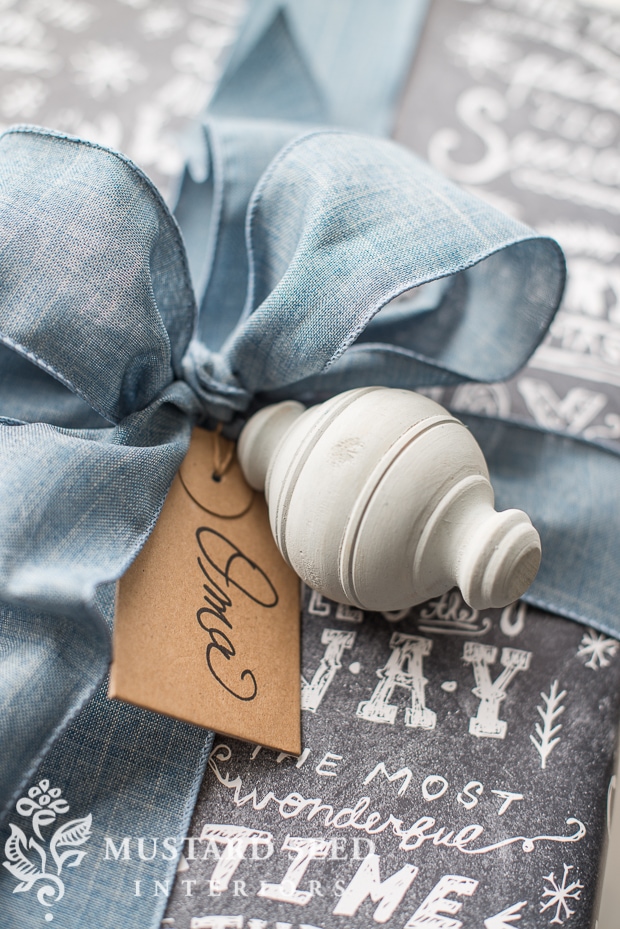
96	293
311	261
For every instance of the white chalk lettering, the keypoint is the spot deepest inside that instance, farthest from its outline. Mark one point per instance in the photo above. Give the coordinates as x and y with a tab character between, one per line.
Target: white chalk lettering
433	787
236	841
367	882
470	791
427	915
336	642
325	763
508	797
306	850
491	694
404	668
405	773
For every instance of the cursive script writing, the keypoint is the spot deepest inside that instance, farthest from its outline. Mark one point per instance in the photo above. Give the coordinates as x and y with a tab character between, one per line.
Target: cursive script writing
359	818
220	560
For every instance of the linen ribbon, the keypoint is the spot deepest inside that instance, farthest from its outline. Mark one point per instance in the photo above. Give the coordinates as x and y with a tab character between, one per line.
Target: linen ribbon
96	293
314	260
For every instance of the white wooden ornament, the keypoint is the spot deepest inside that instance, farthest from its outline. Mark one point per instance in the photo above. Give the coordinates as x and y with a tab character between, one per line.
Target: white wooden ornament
381	499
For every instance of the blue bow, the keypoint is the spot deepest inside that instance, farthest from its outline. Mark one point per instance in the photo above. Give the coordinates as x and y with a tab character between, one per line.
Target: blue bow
314	261
358	265
343	260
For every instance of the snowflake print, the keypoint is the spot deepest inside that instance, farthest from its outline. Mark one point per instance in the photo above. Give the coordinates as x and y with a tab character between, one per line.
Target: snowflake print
65	14
598	648
22	98
161	21
481	51
104	68
560	895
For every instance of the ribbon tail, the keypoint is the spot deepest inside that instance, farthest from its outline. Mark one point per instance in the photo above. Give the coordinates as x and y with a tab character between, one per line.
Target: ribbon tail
570	489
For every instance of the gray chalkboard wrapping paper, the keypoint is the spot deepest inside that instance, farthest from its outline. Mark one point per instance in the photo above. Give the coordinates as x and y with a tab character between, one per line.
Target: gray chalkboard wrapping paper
122	326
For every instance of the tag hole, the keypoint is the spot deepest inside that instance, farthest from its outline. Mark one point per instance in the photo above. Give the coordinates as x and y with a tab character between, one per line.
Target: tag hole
216	477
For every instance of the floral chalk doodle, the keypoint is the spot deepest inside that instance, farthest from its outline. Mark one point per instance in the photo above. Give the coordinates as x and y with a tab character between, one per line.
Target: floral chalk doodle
30	861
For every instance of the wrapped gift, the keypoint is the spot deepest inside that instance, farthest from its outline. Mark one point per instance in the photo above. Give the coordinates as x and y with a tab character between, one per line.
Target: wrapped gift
455	763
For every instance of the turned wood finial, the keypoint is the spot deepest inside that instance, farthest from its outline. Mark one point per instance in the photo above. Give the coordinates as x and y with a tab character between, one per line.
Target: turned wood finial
381	499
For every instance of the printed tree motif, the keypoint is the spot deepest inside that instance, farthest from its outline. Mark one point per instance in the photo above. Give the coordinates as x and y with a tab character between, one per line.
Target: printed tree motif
547	734
560	895
44	804
598	648
505	919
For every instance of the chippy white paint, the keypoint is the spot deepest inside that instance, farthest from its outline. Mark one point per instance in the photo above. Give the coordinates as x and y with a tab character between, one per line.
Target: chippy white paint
380	499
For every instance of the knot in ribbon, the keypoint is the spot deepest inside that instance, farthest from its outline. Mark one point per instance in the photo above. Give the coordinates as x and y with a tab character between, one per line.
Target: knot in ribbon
216	388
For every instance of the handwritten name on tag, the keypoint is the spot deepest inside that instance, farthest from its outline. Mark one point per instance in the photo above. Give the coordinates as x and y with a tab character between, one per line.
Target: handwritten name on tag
207	616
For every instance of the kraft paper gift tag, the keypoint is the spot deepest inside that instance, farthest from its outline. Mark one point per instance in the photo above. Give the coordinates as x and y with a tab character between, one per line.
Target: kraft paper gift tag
207	617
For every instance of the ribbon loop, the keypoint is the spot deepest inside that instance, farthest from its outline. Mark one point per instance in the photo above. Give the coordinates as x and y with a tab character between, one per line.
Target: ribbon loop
106	305
342	224
338	226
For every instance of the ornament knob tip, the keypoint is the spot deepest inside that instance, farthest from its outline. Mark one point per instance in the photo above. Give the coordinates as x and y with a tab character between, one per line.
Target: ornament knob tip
501	560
